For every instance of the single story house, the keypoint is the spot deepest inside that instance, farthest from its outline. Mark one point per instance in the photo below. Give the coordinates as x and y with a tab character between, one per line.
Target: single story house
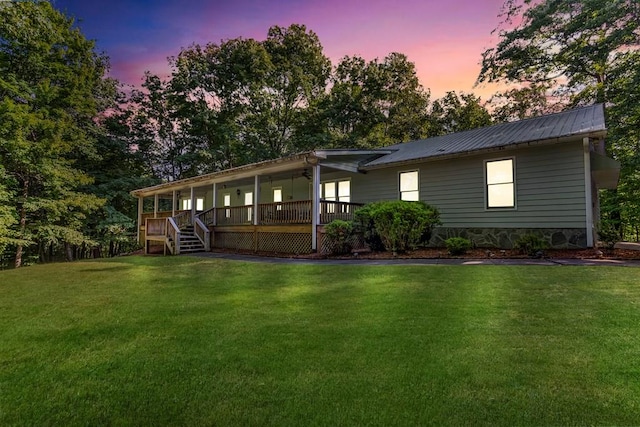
491	185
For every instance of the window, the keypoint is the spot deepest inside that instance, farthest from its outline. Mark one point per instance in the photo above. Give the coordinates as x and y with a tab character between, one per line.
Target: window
200	204
248	201
277	197
336	191
226	201
186	205
409	186
500	184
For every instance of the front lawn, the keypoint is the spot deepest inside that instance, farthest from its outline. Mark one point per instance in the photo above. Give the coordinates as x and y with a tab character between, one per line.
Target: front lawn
191	341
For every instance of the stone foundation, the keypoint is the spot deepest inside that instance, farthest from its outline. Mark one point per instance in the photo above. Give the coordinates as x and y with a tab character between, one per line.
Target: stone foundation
505	238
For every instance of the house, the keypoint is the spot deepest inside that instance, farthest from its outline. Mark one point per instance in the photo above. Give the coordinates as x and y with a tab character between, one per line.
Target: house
490	184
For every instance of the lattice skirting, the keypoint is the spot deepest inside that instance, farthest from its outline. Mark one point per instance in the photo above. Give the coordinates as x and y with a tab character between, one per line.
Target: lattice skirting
264	241
234	240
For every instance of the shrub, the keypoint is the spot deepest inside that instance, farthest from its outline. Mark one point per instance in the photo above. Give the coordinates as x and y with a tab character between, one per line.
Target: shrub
397	225
339	234
531	244
457	245
363	221
608	234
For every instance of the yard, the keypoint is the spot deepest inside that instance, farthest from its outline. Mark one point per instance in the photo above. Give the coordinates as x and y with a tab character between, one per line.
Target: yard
191	341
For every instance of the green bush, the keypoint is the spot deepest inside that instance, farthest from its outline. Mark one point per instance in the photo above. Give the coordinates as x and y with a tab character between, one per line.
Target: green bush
396	225
457	245
608	234
339	234
531	244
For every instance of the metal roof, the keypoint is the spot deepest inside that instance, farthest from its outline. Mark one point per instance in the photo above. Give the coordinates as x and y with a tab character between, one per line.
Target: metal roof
580	121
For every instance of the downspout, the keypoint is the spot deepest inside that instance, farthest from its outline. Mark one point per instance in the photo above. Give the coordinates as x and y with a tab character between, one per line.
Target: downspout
588	195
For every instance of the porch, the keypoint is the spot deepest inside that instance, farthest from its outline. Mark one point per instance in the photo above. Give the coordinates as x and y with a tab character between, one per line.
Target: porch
286	227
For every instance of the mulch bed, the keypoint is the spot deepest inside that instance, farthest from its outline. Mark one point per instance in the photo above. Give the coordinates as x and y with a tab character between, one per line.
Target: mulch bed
437	253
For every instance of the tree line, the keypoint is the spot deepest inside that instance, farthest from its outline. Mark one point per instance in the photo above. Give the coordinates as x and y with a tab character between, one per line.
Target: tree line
73	142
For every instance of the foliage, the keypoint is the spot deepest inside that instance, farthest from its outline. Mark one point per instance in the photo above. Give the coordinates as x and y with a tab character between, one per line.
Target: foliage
531	244
400	225
456	113
339	233
363	224
120	340
372	104
51	87
457	245
608	234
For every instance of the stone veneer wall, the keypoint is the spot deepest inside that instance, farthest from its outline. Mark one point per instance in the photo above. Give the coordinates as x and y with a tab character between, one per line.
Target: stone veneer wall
504	238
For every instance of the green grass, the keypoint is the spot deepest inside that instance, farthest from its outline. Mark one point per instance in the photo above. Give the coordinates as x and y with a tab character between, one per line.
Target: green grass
188	341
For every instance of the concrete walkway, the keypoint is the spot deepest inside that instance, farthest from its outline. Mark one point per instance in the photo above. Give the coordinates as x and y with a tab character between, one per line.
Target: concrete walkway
443	261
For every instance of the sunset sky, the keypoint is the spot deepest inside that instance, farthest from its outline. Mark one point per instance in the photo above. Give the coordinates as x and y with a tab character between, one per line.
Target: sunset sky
443	38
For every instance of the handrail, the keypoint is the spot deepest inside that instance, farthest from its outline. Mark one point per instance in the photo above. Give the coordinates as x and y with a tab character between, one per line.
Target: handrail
208	216
173	232
296	212
202	233
183	219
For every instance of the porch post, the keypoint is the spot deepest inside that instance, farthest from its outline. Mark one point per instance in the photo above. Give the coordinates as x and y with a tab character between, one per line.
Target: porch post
315	208
193	204
586	144
215	201
155	205
173	203
140	206
256	198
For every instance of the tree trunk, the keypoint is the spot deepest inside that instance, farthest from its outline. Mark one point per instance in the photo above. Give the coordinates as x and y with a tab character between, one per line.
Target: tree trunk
23	224
68	250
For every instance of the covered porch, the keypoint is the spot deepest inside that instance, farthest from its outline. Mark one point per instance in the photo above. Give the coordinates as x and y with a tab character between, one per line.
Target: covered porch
275	206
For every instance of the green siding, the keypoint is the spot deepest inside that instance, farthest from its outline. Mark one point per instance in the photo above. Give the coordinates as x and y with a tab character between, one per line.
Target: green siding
549	188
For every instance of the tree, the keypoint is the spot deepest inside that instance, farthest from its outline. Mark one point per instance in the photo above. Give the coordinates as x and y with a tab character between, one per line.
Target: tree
372	104
50	80
573	45
520	103
456	113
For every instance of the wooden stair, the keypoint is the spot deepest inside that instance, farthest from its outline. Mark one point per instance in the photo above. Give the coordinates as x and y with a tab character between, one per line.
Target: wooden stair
189	242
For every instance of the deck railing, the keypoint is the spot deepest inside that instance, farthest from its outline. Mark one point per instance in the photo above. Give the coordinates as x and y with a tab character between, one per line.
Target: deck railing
207	217
236	215
330	210
202	232
298	212
173	233
156	226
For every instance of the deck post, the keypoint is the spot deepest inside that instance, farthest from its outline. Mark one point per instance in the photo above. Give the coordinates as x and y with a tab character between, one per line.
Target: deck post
215	201
155	205
173	203
140	206
193	204
256	198
315	208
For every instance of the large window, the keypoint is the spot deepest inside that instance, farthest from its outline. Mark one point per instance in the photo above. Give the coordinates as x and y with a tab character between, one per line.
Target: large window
409	187
277	197
337	191
500	184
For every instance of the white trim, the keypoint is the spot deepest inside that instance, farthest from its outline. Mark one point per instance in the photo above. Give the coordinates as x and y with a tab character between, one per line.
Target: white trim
588	198
515	188
215	203
193	203
140	208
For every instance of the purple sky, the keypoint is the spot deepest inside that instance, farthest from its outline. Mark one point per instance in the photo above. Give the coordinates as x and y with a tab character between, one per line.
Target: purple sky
444	38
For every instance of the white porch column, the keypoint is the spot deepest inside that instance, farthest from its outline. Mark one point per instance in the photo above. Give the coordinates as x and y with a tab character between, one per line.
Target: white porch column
256	199
586	144
155	205
315	207
215	202
193	203
140	207
173	203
